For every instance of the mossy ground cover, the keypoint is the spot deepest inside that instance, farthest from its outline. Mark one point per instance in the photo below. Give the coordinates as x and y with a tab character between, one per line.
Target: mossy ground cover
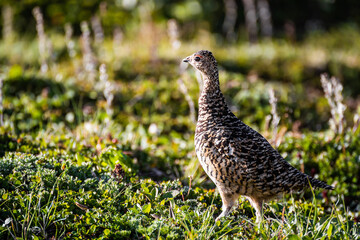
74	166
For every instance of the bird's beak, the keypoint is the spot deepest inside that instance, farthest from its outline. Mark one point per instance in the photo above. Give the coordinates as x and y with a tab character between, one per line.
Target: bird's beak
187	59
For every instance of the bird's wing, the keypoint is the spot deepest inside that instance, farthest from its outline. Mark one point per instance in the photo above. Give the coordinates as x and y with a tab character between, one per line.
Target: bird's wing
253	158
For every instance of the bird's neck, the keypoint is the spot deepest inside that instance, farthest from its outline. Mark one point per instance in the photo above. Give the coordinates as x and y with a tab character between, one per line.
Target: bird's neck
211	82
212	103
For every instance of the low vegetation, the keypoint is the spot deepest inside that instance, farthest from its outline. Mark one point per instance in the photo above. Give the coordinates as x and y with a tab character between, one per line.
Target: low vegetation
98	144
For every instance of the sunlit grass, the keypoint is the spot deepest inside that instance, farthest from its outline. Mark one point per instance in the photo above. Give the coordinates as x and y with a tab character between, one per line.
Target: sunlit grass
59	145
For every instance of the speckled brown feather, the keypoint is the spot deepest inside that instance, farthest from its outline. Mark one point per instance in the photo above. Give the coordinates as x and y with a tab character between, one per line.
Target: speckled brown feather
239	160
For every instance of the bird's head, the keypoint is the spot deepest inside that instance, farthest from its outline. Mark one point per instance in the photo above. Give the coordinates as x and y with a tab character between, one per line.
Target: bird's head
203	61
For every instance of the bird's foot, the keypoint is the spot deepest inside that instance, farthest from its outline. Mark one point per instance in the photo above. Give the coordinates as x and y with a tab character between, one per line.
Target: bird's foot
219	217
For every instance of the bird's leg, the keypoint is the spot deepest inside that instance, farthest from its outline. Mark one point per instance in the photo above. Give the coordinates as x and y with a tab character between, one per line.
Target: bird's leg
228	201
258	205
225	211
259	214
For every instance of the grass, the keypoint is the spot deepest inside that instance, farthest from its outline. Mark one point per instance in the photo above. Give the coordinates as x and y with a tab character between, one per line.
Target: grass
70	170
67	201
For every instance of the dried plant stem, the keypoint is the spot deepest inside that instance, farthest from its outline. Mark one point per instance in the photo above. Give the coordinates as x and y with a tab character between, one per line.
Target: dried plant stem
117	40
333	93
230	19
264	15
173	32
42	38
107	89
70	45
7	13
1	102
190	102
356	122
98	37
250	19
89	62
185	91
97	30
275	117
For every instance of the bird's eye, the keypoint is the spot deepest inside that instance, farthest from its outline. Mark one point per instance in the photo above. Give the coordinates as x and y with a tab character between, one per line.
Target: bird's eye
197	59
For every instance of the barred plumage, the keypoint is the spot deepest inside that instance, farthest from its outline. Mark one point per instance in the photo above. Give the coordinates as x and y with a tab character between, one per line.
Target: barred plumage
239	160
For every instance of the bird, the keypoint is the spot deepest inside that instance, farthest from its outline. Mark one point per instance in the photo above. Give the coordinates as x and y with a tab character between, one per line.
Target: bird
238	159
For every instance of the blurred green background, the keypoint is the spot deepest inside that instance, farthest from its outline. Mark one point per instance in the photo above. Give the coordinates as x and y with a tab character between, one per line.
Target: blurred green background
305	16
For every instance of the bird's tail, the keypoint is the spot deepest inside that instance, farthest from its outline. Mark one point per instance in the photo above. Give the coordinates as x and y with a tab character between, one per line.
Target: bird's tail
315	183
